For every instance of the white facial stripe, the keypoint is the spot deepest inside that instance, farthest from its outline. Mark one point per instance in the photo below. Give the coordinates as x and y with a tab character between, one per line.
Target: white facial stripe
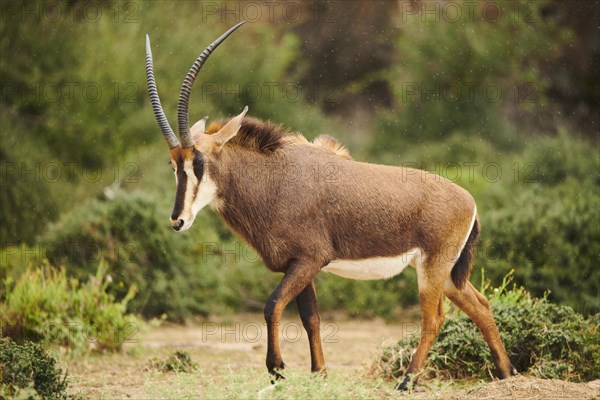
204	194
191	183
372	268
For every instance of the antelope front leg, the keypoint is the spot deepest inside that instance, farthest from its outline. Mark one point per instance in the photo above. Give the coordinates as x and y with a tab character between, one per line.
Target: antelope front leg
309	313
297	277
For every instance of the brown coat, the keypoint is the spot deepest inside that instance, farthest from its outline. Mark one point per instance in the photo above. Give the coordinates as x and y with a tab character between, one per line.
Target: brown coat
289	198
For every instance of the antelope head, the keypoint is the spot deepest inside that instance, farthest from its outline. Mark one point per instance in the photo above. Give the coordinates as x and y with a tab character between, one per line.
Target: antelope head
189	157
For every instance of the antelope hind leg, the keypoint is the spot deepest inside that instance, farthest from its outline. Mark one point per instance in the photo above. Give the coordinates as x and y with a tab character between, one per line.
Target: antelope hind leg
476	306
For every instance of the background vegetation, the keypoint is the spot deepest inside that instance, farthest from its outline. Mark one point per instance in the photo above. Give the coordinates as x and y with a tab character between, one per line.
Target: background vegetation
505	105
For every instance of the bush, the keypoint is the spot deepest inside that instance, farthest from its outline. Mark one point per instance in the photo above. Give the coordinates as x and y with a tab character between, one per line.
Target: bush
27	202
554	160
542	339
44	305
178	361
548	236
140	251
27	368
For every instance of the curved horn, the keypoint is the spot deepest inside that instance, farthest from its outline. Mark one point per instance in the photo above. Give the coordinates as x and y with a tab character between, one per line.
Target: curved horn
159	114
186	88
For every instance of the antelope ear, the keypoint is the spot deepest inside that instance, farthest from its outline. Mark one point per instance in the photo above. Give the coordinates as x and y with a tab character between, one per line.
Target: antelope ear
228	131
199	127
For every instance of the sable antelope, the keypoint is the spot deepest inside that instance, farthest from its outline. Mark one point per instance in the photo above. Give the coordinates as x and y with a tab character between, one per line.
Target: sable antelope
307	207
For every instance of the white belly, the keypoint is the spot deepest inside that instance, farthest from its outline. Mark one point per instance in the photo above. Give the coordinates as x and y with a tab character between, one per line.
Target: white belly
372	268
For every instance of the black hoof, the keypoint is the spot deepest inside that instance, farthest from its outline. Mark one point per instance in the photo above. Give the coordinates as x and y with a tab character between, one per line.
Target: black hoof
512	372
408	383
277	373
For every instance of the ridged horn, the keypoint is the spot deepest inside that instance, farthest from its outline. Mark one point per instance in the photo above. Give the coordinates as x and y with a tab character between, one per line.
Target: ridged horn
186	88
159	114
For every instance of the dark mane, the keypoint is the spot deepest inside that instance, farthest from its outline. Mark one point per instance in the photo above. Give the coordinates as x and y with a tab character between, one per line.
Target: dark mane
262	136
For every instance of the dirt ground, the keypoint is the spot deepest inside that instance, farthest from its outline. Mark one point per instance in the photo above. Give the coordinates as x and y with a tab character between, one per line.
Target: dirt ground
347	343
230	356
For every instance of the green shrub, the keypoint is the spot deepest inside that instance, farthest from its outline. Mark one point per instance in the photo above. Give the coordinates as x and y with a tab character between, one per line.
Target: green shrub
550	237
26	369
27	202
14	260
553	160
140	250
542	339
44	305
178	361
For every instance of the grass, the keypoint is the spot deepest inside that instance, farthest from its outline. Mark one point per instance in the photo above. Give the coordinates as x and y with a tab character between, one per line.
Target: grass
229	383
230	362
231	365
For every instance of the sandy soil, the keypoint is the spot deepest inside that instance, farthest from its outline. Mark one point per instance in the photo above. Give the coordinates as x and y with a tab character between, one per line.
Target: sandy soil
346	343
526	388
